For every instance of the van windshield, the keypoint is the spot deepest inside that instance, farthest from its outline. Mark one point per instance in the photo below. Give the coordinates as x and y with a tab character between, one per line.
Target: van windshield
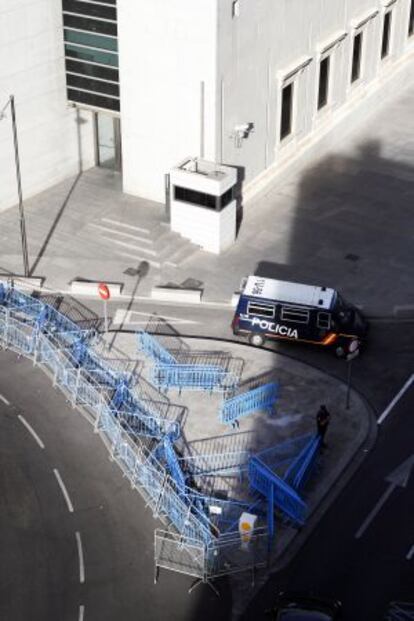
344	313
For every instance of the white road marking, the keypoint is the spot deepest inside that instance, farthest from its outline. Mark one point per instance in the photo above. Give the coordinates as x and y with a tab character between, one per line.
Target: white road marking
4	400
396	398
80	554
112	231
127	226
64	490
375	510
410	553
81	612
31	431
122	316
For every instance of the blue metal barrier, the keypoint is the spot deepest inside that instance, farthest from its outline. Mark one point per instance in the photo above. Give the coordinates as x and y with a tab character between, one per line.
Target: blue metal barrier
277	492
150	347
400	611
299	470
193	377
261	398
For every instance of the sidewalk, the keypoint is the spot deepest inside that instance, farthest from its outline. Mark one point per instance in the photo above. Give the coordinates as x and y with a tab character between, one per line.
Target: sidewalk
302	389
344	222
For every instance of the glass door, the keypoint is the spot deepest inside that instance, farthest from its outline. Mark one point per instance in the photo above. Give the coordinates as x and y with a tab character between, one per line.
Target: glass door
108	141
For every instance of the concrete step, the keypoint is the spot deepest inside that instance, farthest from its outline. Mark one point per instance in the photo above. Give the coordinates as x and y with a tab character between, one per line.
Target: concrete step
182	254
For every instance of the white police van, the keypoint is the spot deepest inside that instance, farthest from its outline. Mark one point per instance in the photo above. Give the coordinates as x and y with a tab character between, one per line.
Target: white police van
275	309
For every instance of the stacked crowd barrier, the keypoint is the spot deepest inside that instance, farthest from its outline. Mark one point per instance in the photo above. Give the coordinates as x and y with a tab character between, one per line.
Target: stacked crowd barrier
210	378
125	421
168	373
262	398
277	492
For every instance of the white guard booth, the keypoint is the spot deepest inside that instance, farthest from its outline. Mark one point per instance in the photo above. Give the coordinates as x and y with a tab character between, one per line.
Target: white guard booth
203	203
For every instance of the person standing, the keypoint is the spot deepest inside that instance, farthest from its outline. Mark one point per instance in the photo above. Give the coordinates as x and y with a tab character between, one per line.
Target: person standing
323	418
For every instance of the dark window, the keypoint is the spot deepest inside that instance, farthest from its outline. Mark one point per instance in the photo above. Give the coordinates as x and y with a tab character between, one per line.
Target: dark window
113	2
105	88
90	99
86	8
286	113
226	198
411	20
91	40
261	310
92	56
297	315
91	25
197	198
385	46
94	71
356	57
324	321
323	82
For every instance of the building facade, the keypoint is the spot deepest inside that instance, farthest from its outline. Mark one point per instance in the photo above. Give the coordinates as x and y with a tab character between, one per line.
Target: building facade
138	86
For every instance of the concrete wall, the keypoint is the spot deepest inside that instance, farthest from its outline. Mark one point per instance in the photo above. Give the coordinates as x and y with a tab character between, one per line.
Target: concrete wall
269	41
32	68
166	50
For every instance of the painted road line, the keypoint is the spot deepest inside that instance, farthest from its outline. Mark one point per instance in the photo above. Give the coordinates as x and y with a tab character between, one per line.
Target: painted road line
127	317
410	553
125	225
31	431
64	490
375	510
80	554
4	400
81	612
396	399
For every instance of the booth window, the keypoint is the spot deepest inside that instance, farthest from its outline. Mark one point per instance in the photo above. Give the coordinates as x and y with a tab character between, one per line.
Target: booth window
356	57
385	46
185	195
323	82
286	111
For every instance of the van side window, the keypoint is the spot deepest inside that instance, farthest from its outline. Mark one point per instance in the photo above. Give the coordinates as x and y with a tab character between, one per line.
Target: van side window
292	313
261	310
324	321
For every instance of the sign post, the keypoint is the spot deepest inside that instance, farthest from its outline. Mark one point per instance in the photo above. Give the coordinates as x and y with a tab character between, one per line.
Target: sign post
353	352
104	294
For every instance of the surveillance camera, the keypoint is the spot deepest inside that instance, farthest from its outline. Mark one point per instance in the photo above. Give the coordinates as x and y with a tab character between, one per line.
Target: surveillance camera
243	127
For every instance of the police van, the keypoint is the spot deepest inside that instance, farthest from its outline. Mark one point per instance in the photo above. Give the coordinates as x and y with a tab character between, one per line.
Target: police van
275	309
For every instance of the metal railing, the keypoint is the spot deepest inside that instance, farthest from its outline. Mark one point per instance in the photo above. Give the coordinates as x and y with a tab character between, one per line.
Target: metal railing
260	398
193	377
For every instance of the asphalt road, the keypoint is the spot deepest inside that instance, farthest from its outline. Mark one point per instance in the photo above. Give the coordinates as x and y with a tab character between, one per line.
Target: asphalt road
362	550
41	573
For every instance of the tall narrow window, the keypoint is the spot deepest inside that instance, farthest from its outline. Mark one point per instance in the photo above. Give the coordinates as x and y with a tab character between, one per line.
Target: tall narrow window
411	20
286	113
385	45
323	82
356	57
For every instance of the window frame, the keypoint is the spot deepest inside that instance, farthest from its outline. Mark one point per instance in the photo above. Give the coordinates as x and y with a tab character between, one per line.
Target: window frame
290	84
295	310
318	320
324	57
358	33
385	49
271	307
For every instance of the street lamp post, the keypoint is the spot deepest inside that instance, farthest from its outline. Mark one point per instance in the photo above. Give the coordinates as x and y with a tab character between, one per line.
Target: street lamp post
19	185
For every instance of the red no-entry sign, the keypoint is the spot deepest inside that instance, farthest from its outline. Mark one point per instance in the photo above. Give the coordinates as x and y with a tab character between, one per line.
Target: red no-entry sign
103	291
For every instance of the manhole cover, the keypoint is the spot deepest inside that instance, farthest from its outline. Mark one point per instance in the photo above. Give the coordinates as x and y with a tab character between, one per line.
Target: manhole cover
352	257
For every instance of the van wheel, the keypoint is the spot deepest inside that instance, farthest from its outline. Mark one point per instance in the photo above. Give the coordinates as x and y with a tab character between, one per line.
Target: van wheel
256	339
339	351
